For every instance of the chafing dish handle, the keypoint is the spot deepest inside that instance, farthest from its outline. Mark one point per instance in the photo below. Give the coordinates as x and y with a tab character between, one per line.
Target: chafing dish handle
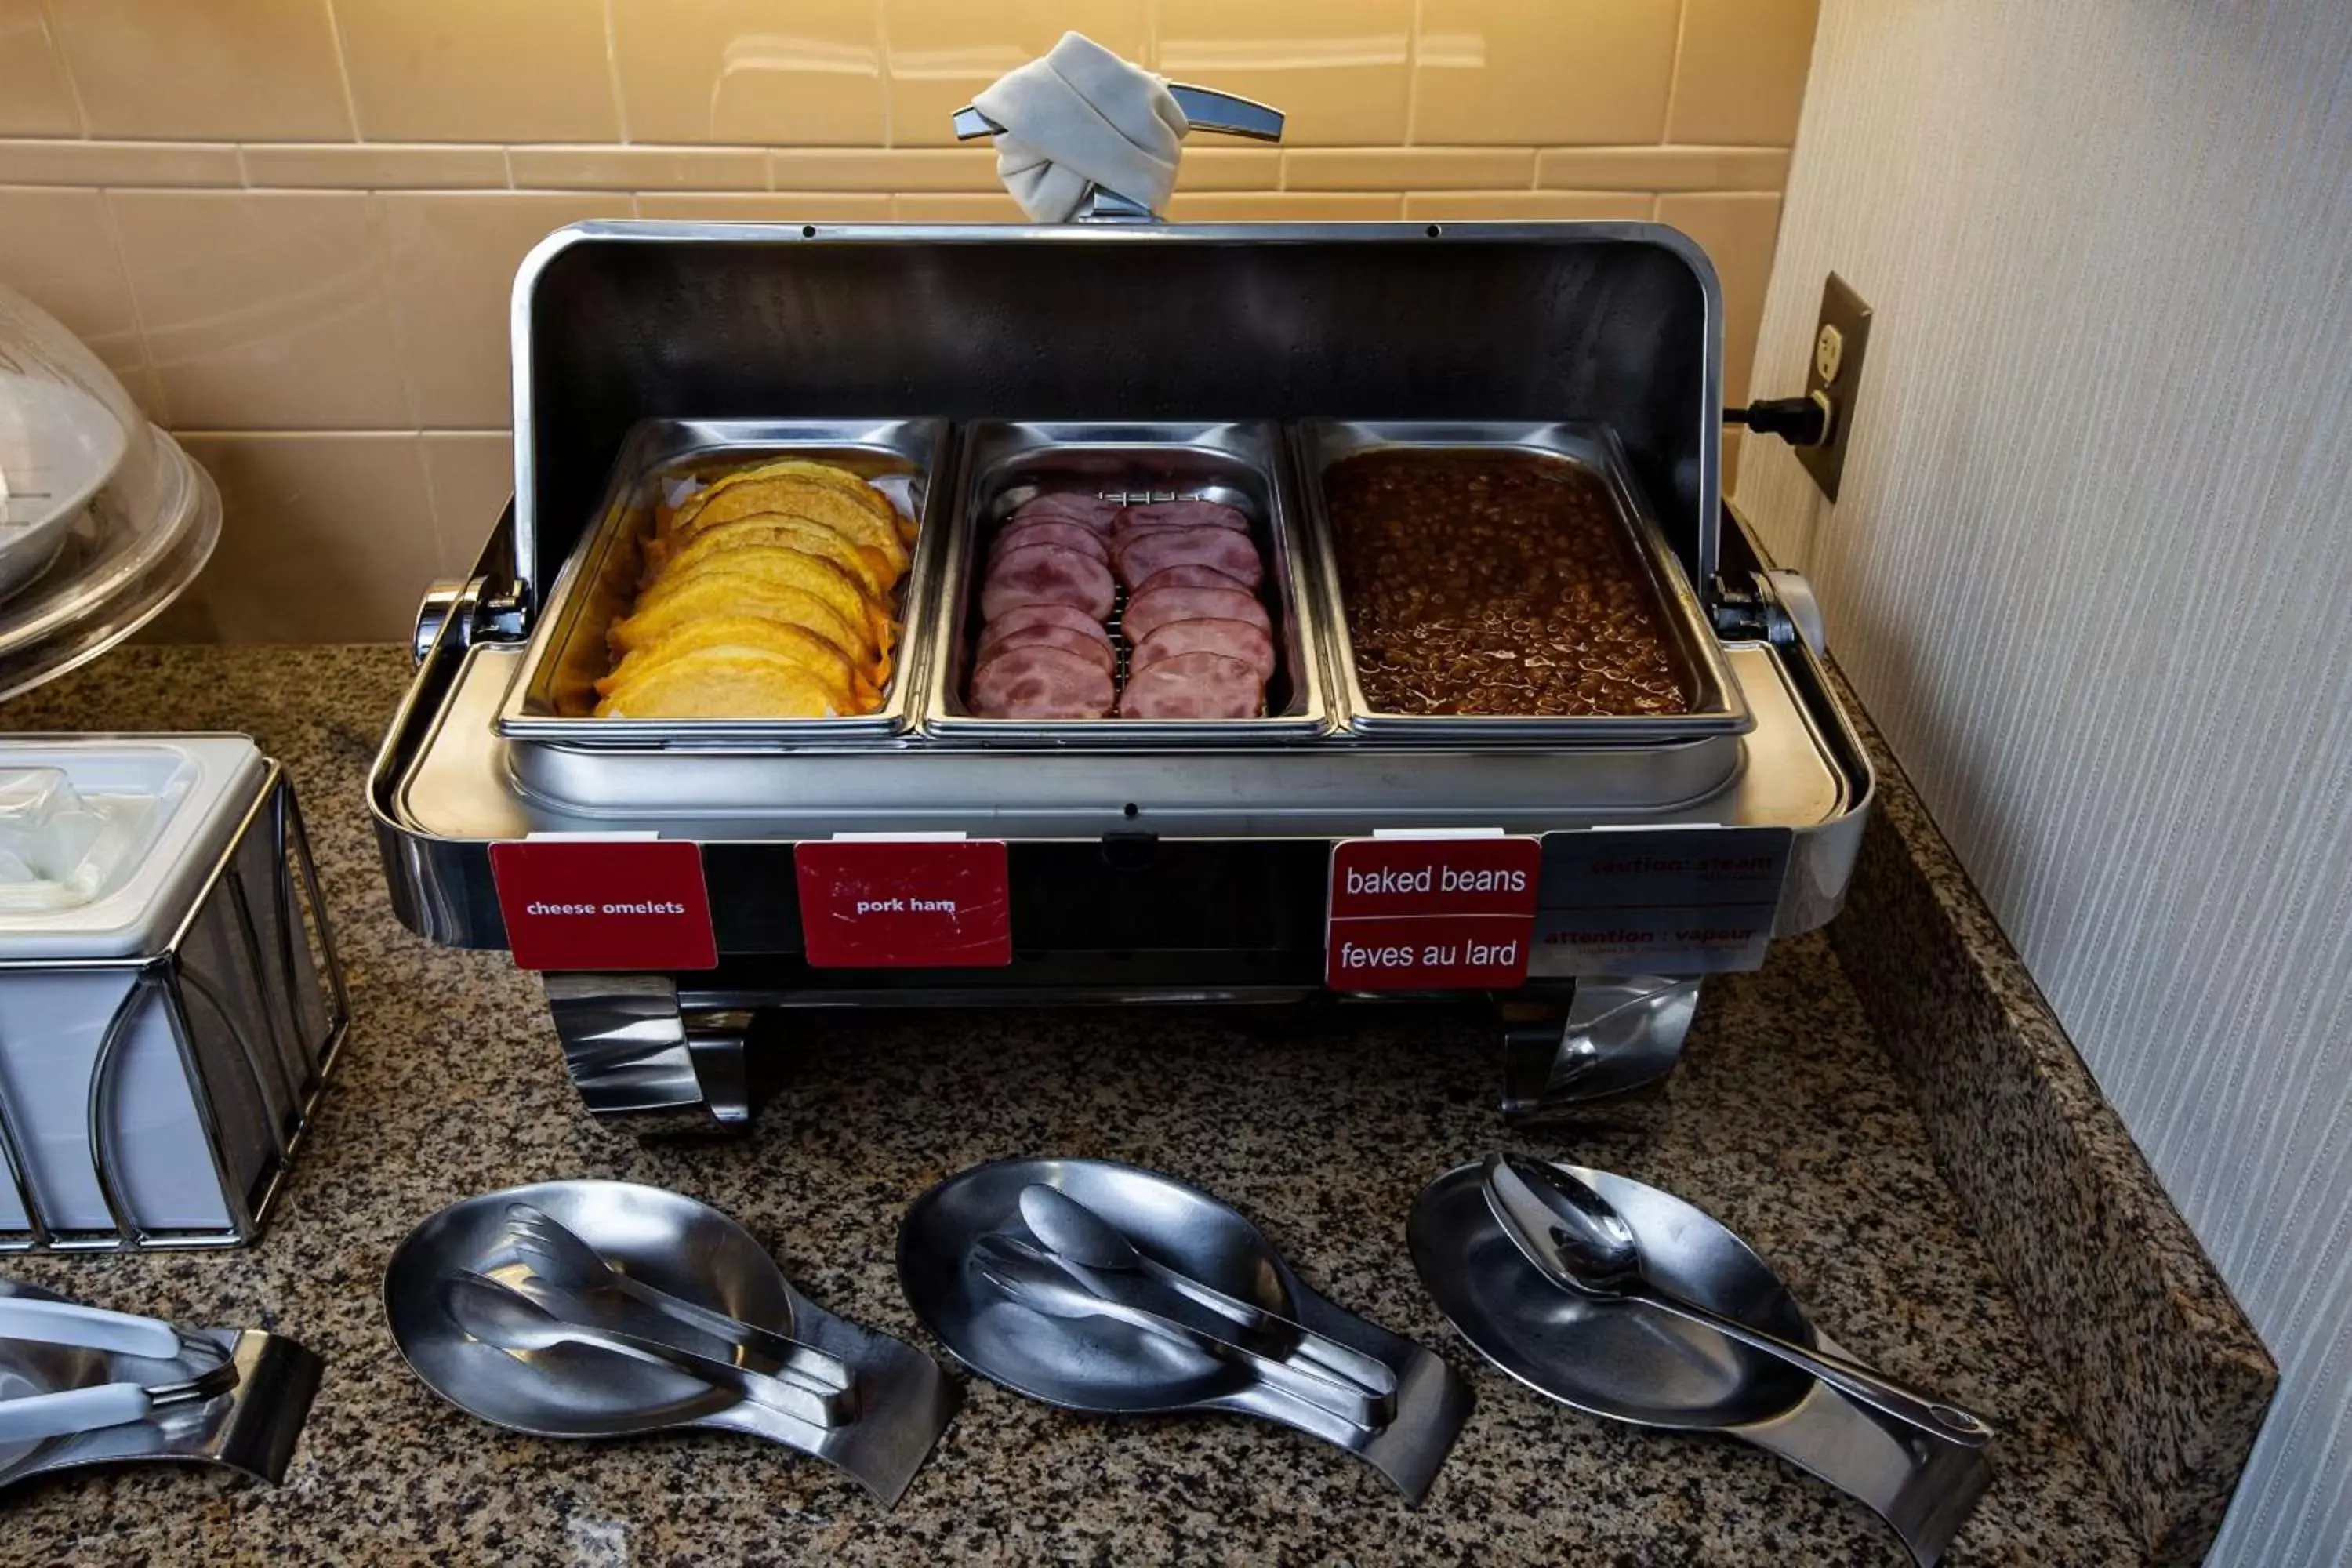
1205	108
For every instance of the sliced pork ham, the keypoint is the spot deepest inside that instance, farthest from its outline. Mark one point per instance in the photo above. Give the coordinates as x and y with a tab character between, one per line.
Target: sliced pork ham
1045	614
1181	514
1137	556
1234	639
1095	650
1035	680
1047	574
1198	685
1148	612
1075	536
1072	506
1190	577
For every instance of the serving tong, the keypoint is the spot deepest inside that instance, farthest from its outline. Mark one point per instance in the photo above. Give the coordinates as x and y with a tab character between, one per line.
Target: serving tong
113	1388
564	1270
605	1308
101	1404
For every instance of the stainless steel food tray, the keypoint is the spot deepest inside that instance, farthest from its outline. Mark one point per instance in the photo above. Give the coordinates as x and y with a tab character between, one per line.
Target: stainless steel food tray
550	701
1239	464
1718	707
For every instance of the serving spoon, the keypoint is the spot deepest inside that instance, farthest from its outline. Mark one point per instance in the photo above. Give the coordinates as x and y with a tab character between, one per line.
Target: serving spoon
1583	1244
1073	1231
513	1319
1042	1283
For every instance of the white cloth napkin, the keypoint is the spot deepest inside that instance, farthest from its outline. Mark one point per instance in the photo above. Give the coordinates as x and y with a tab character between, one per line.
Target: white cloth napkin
1082	116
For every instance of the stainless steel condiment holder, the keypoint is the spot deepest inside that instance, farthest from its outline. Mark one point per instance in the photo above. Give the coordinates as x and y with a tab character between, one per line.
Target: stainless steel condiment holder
251	1428
282	1010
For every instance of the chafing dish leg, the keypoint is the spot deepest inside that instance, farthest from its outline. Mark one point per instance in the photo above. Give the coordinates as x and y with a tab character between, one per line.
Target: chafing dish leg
637	1052
1617	1033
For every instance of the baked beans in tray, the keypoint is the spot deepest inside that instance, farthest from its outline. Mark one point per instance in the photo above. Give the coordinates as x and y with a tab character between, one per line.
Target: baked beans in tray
1504	583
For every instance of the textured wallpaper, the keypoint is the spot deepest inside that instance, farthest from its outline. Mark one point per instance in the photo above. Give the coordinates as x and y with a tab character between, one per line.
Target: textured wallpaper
2093	575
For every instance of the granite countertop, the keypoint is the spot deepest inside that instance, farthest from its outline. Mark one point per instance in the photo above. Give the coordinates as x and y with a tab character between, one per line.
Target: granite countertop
1786	1121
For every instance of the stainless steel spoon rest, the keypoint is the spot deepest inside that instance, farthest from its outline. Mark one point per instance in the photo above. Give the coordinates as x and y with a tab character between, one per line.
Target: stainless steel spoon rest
1625	1361
1111	1367
904	1399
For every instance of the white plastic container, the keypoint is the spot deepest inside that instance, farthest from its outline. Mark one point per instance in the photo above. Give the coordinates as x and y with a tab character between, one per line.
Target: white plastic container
168	999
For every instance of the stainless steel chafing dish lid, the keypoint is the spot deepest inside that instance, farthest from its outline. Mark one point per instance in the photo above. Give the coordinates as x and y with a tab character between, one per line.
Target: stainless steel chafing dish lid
615	322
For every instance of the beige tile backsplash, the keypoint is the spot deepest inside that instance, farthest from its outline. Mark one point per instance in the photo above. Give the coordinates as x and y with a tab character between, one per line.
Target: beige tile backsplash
477	70
35	98
771	72
291	225
449	261
1545	71
214	71
264	309
1340	73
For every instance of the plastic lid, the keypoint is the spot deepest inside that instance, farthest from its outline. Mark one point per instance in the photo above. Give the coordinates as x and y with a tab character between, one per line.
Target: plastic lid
103	518
105	840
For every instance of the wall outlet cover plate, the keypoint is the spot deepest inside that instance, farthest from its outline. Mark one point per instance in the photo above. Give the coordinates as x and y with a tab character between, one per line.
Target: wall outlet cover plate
1845	310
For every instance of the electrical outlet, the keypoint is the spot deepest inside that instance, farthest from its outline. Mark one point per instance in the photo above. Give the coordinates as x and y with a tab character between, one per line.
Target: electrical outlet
1840	337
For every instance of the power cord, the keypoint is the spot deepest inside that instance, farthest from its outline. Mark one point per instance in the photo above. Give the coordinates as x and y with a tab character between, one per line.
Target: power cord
1799	421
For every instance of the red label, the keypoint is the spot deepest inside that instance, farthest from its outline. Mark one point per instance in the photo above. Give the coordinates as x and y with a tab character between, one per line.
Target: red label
616	904
905	903
1429	914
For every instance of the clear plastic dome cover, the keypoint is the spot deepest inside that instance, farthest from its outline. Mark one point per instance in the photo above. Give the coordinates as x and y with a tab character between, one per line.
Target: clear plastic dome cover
103	518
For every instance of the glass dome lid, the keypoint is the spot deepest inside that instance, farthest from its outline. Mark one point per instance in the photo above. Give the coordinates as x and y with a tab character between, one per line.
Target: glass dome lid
103	518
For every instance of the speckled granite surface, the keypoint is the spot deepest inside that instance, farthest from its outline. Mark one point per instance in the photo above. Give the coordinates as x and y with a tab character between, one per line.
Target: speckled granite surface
1786	1121
2148	1347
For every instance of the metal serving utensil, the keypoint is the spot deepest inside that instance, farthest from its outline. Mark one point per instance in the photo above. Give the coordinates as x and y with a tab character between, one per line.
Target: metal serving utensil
903	1400
558	1255
261	1385
1081	1236
1655	1370
953	1229
70	1410
522	1322
1046	1285
1573	1235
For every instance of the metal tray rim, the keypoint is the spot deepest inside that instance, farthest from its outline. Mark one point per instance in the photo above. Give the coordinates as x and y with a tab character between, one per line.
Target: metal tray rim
1292	568
1723	709
926	441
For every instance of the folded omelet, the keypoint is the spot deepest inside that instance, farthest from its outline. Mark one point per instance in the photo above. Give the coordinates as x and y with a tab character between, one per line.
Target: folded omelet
700	597
784	565
845	684
794	496
681	552
768	594
824	474
723	683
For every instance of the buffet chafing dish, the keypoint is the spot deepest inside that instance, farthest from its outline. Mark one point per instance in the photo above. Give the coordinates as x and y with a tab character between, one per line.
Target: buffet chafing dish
1143	869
